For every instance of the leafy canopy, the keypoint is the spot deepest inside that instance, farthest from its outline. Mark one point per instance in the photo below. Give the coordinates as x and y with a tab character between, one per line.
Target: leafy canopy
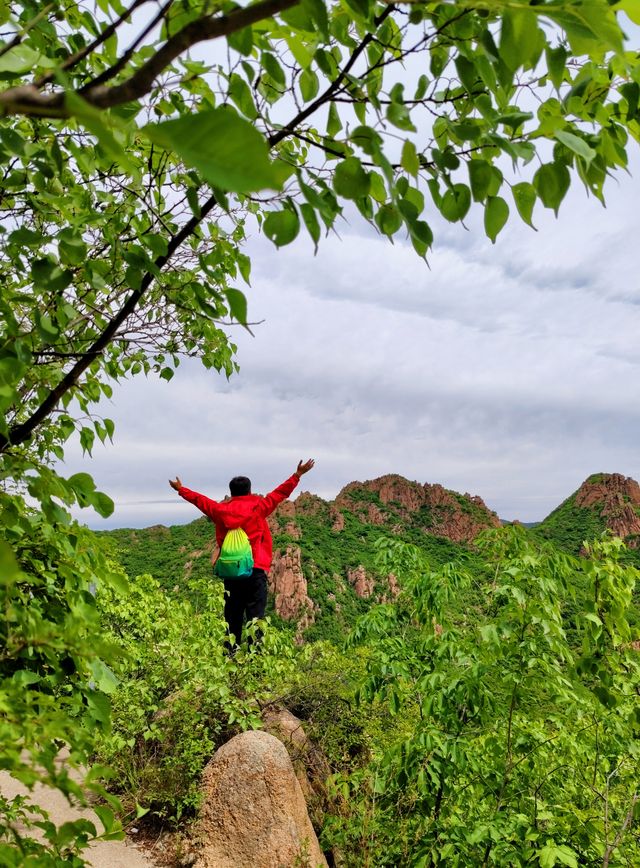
136	142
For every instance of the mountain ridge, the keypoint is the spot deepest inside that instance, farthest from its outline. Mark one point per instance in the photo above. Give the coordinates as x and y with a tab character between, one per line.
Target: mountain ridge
324	570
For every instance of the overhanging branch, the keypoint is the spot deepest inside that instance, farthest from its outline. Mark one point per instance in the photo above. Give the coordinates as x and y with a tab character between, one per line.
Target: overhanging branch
28	100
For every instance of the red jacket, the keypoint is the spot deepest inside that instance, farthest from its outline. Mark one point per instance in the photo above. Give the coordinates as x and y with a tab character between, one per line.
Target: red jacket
248	511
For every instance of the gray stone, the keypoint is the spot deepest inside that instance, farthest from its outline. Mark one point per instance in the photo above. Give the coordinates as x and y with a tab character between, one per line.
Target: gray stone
254	813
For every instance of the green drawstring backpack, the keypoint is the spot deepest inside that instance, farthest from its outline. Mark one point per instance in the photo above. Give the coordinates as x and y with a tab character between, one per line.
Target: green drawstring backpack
235	560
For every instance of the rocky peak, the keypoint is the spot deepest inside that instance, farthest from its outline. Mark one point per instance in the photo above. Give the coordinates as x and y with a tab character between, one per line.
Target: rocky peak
617	500
458	517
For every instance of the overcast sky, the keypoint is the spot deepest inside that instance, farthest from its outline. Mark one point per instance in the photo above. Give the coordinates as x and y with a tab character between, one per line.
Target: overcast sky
507	370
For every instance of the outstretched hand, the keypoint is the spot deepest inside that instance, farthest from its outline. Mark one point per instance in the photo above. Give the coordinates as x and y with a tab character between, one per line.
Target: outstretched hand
304	466
175	483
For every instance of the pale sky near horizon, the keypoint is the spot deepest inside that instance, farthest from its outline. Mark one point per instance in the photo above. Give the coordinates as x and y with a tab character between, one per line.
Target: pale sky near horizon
507	370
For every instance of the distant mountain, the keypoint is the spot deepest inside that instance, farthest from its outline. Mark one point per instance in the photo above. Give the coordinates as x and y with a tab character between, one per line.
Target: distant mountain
324	571
603	501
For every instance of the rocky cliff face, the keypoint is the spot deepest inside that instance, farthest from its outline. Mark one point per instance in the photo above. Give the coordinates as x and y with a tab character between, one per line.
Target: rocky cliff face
444	513
324	550
616	498
289	587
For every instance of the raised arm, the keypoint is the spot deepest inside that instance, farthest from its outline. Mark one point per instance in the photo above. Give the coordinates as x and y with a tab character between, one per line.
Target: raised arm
271	500
205	504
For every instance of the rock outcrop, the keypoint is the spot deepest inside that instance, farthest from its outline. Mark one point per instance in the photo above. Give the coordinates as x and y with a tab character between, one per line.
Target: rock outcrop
363	584
310	765
616	498
458	517
289	587
254	813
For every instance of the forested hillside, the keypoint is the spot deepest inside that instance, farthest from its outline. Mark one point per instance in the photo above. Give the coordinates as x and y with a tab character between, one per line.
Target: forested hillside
483	712
604	501
324	572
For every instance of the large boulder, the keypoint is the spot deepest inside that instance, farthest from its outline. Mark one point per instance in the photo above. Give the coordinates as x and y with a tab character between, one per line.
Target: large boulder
254	813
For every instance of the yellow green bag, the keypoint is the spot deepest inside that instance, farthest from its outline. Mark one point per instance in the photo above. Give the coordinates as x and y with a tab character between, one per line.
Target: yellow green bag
235	560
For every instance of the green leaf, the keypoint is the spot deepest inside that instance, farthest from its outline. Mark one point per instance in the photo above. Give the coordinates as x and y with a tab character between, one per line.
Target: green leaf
300	51
334	124
242	41
575	144
311	222
22	58
281	227
496	214
480	176
94	121
524	195
467	72
82	483
240	93
631	7
591	26
237	304
409	159
421	236
388	219
350	180
8	565
398	114
318	12
273	68
102	504
552	182
557	64
226	149
455	203
518	38
309	84
552	854
99	706
71	247
103	677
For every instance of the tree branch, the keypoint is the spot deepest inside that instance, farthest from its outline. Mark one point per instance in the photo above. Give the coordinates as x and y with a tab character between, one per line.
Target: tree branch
333	87
17	39
120	64
19	433
73	59
27	99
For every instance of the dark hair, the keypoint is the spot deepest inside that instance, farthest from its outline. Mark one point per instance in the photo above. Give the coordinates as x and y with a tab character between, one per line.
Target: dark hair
240	485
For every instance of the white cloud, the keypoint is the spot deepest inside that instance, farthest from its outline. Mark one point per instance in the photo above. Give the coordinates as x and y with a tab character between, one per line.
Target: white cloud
507	370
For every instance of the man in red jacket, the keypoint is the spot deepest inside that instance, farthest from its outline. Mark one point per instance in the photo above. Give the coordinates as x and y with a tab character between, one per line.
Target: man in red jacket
249	511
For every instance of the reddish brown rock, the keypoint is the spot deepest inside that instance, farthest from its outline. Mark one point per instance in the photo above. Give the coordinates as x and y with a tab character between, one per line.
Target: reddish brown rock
394	587
254	814
289	586
457	517
363	584
617	499
309	504
338	519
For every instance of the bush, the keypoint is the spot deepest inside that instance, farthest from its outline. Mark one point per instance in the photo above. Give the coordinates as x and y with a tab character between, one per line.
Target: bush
180	695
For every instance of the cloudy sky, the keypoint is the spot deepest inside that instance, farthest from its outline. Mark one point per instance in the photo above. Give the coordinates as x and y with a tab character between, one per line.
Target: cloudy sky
506	370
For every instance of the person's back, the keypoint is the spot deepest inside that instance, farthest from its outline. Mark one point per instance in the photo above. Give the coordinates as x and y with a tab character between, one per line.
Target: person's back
245	595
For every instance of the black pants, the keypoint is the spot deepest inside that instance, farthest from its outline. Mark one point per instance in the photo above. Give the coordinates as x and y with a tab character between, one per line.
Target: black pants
244	596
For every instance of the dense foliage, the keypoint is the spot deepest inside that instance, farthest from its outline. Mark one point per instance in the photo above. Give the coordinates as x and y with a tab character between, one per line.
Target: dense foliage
180	695
523	710
129	168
